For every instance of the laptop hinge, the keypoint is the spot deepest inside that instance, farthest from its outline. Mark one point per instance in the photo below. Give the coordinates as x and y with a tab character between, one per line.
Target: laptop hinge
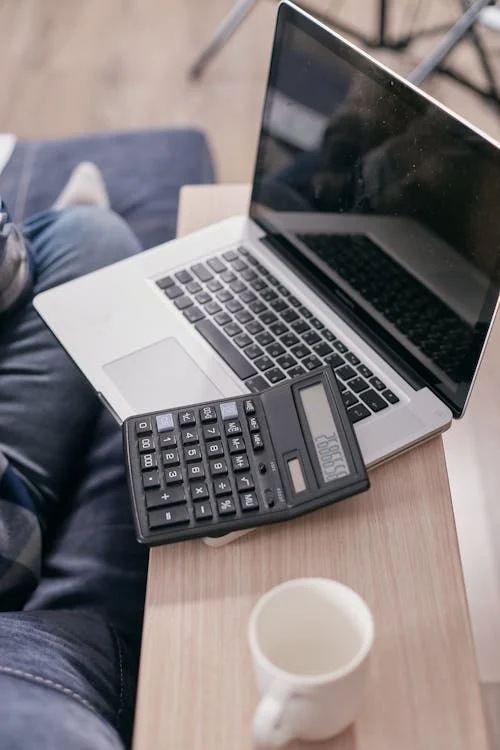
289	255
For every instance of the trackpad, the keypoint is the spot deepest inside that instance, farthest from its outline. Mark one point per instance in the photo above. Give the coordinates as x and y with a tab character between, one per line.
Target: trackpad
161	376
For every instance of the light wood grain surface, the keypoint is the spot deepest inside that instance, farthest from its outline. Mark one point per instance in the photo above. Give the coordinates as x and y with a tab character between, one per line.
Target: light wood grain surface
396	545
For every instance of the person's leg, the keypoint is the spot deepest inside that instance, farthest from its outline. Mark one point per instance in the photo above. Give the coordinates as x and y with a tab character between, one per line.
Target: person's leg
46	406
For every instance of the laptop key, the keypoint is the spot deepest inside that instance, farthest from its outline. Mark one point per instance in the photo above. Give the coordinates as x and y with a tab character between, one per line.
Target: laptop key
237	286
243	317
289	315
335	360
311	337
254	327
224	295
253	351
173	292
317	324
247	296
364	371
301	350
202	272
311	362
257	384
239	265
194	314
357	413
329	336
216	265
345	373
278	305
165	282
230	256
264	338
390	396
275	375
269	295
352	359
249	275
358	384
228	277
212	308
264	363
289	339
182	302
286	361
184	277
278	328
257	307
232	329
242	340
193	287
299	326
293	301
322	349
203	297
305	312
234	305
377	383
222	318
373	400
349	399
225	349
340	346
214	285
268	317
275	349
294	372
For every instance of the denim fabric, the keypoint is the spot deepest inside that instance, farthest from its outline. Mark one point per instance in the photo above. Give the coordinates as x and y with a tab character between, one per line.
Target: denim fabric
68	659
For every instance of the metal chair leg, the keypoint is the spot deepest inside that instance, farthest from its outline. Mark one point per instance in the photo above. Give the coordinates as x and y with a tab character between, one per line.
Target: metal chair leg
230	24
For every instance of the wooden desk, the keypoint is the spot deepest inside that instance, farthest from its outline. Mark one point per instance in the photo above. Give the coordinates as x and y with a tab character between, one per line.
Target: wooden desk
396	545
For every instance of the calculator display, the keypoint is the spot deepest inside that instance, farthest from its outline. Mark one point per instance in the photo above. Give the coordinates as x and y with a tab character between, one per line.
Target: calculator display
327	443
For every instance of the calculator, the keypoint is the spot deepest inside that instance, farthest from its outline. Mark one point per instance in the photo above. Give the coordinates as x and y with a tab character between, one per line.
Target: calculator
223	466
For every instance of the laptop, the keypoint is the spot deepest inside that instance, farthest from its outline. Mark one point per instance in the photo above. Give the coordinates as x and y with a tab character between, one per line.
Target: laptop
371	244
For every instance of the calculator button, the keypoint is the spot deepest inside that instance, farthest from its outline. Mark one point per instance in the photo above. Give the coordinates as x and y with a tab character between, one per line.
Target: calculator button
249	501
151	479
170	517
149	461
170	496
215	449
226	507
236	445
171	458
218	467
203	512
167	440
199	491
270	501
229	410
146	444
233	428
173	476
195	471
244	482
187	418
143	427
253	424
208	414
189	437
211	433
222	487
257	441
165	422
249	406
192	454
240	462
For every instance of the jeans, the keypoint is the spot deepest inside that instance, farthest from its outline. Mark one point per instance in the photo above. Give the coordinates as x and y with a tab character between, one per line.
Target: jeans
69	655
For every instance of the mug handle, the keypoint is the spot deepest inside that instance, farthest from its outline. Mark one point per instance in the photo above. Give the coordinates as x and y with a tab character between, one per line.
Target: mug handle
270	728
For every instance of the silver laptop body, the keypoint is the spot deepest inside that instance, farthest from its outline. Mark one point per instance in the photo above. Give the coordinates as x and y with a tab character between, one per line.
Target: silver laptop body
337	240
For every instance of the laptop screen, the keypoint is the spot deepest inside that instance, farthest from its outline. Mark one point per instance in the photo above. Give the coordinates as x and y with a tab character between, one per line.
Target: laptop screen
386	202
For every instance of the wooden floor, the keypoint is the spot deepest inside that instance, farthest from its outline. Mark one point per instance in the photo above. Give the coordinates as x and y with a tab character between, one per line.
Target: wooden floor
74	66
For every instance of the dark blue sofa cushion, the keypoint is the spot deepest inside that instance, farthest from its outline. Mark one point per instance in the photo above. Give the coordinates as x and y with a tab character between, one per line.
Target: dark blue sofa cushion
143	171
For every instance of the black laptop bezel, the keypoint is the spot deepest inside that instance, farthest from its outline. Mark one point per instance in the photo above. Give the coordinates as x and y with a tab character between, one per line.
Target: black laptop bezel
408	366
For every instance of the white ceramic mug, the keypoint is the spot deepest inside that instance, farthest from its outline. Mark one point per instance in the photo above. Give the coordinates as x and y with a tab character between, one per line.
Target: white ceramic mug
310	639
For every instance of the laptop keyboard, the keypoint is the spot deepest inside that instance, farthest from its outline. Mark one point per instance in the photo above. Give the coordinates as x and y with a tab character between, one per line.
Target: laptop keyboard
406	303
264	333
